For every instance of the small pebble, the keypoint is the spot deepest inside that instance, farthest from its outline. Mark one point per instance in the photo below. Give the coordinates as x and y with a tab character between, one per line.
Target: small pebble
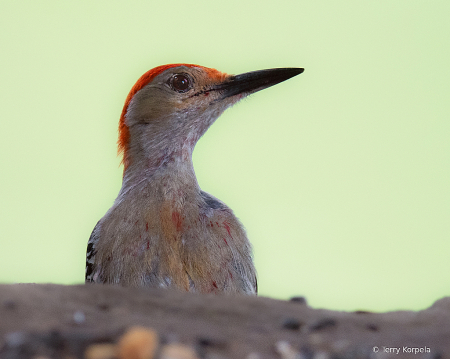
300	300
15	339
362	312
138	343
103	306
211	342
177	351
79	317
286	351
372	327
291	324
101	351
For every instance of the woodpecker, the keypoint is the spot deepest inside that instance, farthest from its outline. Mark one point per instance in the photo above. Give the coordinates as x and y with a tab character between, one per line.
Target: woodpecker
163	230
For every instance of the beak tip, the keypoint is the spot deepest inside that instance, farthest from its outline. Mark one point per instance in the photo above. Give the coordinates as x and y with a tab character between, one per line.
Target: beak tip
297	70
251	82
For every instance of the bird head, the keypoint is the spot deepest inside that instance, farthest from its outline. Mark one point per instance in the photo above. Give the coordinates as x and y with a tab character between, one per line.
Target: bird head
171	106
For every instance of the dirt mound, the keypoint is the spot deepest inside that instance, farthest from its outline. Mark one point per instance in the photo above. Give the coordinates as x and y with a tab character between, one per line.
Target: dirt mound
91	321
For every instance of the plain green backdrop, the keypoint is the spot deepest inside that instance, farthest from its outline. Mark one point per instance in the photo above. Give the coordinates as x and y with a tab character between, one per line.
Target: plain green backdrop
341	175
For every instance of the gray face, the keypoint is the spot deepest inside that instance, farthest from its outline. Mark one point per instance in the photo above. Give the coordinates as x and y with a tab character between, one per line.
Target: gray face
177	107
169	115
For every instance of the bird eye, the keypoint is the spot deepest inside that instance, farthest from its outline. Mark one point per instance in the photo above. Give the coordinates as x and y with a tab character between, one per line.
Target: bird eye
180	83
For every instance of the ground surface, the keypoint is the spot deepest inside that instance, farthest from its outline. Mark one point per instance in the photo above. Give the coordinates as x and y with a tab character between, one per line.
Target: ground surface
55	321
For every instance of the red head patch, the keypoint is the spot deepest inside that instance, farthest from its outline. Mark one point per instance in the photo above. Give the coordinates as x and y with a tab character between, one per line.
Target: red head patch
124	133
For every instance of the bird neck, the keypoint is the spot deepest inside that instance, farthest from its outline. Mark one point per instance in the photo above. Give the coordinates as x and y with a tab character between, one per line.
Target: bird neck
162	167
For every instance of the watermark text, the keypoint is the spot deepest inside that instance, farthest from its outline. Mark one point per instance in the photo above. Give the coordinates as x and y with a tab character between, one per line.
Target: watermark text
399	350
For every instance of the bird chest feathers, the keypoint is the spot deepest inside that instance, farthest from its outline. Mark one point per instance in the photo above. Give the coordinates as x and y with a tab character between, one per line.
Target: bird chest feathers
173	237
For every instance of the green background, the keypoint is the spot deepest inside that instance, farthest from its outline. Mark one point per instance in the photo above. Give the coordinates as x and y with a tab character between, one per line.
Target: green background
341	175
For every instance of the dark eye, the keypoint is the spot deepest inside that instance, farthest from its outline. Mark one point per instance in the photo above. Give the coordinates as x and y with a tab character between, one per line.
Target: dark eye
181	83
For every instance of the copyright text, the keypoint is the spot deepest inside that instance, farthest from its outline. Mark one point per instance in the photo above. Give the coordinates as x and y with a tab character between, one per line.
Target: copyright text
398	350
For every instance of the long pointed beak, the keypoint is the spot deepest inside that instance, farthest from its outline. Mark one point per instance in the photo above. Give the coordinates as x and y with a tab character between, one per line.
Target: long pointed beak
254	81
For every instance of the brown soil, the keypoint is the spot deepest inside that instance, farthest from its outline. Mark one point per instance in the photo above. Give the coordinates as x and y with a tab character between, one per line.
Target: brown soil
56	321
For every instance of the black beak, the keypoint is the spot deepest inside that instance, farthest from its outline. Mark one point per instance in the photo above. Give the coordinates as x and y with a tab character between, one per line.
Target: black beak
251	82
